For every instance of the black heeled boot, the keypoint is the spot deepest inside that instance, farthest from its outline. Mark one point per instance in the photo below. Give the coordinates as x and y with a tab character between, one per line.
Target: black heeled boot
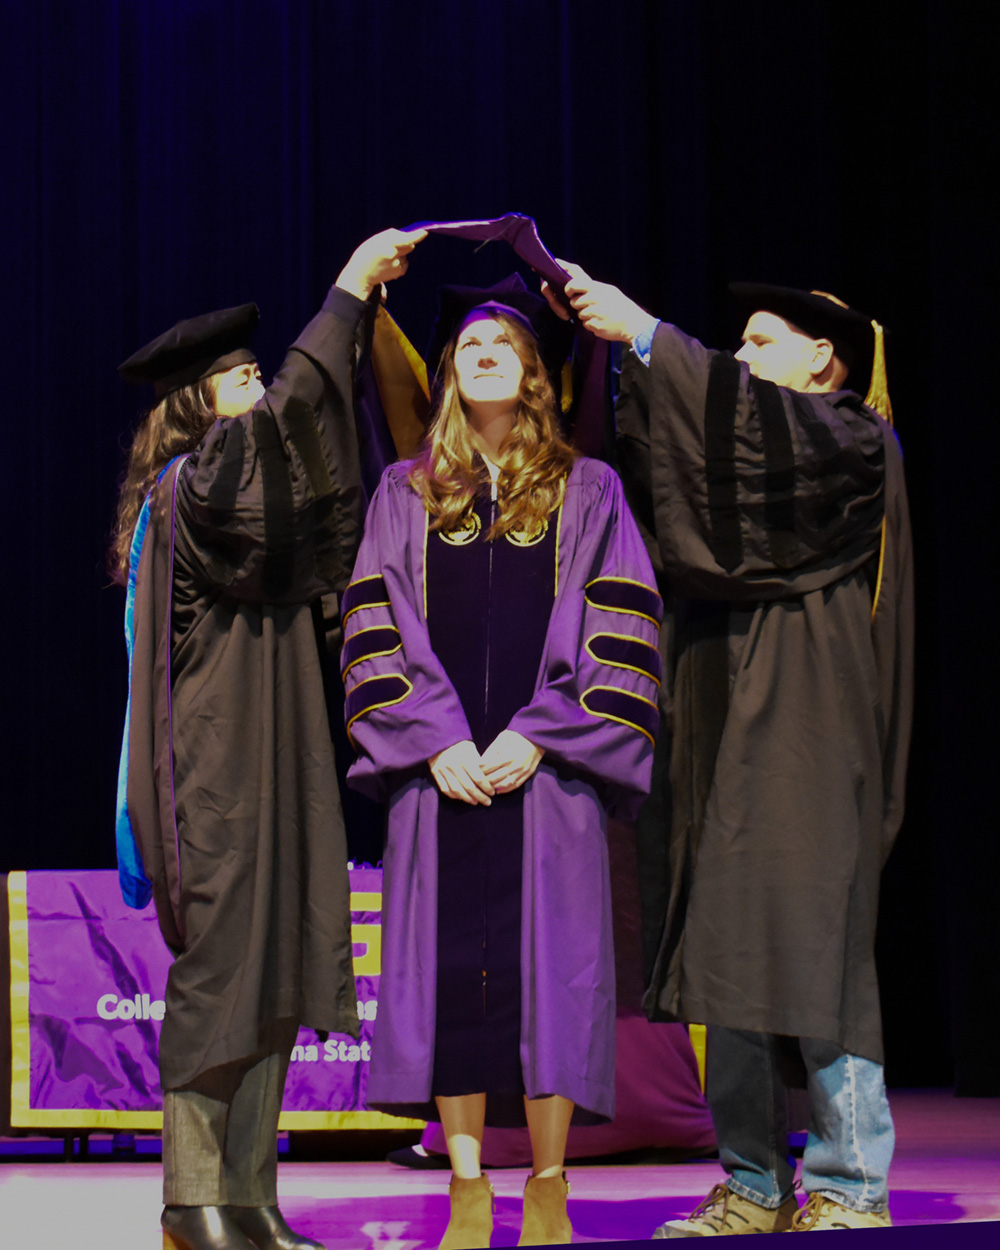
267	1229
201	1228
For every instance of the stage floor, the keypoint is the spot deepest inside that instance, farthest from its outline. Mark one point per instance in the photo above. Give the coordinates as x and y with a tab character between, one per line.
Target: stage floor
947	1168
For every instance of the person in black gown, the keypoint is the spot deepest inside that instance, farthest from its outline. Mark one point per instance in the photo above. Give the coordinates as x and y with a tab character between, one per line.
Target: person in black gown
229	815
777	500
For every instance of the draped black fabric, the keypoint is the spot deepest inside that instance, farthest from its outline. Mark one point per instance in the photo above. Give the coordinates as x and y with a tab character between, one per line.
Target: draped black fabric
720	454
164	158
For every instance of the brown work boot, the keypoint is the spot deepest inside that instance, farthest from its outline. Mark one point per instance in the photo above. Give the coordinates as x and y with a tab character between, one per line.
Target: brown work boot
821	1214
545	1220
724	1214
471	1221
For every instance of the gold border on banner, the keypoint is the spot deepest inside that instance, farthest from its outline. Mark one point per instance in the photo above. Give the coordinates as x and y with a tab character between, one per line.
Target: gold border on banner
23	1115
20	1040
111	1120
344	1119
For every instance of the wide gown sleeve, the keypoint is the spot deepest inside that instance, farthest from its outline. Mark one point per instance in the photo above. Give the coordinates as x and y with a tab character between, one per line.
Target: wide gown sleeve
268	507
755	491
595	708
401	707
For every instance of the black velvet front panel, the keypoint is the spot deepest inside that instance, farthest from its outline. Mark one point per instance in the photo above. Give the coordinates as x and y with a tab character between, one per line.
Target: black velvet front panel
488	606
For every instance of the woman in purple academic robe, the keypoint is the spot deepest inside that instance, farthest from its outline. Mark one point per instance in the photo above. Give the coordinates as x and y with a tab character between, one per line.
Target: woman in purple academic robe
502	667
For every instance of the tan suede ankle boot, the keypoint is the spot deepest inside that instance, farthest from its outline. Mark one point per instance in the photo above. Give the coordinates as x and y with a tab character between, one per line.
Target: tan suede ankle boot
471	1214
545	1220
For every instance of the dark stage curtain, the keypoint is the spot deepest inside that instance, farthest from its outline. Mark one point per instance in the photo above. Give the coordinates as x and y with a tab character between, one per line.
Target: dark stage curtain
163	157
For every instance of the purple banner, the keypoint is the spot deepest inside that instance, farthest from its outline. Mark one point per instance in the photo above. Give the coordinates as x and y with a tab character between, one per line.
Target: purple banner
87	984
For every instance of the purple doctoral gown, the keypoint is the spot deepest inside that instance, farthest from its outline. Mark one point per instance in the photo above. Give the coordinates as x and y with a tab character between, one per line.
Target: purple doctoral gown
594	714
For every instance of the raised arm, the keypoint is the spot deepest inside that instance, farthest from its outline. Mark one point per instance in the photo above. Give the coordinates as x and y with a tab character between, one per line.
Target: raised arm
755	491
268	509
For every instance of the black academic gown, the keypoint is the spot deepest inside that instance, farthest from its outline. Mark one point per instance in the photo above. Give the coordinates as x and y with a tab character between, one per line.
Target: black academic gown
232	788
782	780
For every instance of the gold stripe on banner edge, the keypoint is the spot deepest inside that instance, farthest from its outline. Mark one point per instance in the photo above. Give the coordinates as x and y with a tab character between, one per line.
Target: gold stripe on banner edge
88	1118
344	1119
20	1037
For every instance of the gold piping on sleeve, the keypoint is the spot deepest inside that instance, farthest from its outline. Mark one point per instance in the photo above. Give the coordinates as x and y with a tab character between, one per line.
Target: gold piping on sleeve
601	607
376	706
363	606
373	655
619	719
616	663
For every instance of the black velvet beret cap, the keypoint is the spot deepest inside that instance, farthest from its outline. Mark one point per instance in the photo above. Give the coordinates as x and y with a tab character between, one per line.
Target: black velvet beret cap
555	336
819	315
194	349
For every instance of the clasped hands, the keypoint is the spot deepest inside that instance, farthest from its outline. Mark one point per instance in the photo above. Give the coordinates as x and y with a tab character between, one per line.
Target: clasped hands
462	773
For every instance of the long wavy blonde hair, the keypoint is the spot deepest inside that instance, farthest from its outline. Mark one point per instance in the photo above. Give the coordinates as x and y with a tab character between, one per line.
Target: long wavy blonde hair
175	425
534	458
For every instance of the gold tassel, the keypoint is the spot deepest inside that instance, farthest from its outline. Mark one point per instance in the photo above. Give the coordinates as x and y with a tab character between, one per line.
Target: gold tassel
566	403
878	390
878	398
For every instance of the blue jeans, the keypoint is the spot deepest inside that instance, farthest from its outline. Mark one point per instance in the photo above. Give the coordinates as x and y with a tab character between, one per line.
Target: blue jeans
850	1139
